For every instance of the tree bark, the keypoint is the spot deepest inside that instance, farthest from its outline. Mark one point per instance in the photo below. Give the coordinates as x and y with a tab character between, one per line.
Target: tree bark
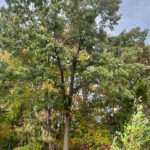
66	132
50	147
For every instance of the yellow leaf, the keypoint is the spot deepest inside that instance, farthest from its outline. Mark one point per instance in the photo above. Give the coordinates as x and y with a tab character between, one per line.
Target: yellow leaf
84	56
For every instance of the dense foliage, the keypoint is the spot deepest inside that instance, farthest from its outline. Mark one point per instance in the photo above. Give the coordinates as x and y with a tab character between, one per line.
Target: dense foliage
135	134
65	83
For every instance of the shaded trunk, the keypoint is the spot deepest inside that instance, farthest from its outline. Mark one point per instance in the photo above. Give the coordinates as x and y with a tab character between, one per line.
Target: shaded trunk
66	132
51	147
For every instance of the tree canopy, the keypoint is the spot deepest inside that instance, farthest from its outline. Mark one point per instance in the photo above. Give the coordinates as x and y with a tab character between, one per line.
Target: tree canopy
65	83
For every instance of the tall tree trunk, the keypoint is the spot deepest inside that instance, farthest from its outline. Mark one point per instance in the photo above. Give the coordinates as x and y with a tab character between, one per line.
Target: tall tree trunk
66	131
50	147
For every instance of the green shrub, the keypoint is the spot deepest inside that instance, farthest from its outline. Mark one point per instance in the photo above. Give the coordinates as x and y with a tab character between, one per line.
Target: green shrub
34	146
136	134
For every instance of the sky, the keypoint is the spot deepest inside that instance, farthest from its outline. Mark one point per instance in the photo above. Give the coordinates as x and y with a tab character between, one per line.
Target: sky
135	13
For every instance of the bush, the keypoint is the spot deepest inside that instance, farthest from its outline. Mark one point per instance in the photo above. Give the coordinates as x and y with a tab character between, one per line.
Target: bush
35	146
136	134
